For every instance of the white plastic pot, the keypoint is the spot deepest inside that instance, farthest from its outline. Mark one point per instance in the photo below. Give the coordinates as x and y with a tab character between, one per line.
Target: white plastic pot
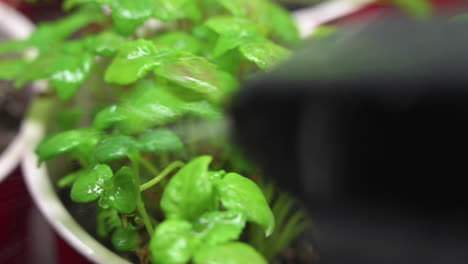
41	186
16	26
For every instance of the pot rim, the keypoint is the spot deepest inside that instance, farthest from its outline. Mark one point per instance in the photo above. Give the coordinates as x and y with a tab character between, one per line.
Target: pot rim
42	190
16	26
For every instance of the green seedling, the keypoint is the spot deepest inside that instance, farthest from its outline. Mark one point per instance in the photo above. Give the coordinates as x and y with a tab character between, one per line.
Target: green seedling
162	194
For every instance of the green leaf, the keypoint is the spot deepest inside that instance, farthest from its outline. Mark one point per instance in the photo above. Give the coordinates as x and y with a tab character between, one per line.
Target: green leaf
108	117
90	184
107	220
66	141
148	105
170	10
245	8
67	66
133	61
219	226
104	44
12	46
228	253
69	4
282	25
11	69
226	43
198	75
70	178
180	41
240	194
323	32
230	62
236	26
114	147
233	32
265	54
48	33
206	35
41	68
204	110
128	15
421	9
121	191
125	239
189	193
160	141
69	73
273	18
173	242
216	175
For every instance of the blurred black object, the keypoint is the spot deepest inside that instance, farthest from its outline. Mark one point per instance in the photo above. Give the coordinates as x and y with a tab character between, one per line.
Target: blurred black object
369	128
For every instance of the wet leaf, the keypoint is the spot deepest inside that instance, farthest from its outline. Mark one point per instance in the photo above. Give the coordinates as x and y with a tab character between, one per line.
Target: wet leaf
204	110
128	15
179	41
271	16
125	239
148	105
265	54
189	192
67	66
160	141
70	178
90	184
236	26
216	175
226	43
133	61
104	44
170	10
69	73
108	117
173	242
122	191
282	25
198	75
240	194
228	253
219	226
114	147
245	8
66	141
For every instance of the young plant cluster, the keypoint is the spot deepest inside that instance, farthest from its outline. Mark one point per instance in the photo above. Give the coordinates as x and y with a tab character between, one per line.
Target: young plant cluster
157	190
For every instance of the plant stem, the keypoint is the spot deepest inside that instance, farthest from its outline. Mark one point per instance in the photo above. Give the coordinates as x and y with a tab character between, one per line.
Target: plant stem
123	219
135	158
162	175
142	211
